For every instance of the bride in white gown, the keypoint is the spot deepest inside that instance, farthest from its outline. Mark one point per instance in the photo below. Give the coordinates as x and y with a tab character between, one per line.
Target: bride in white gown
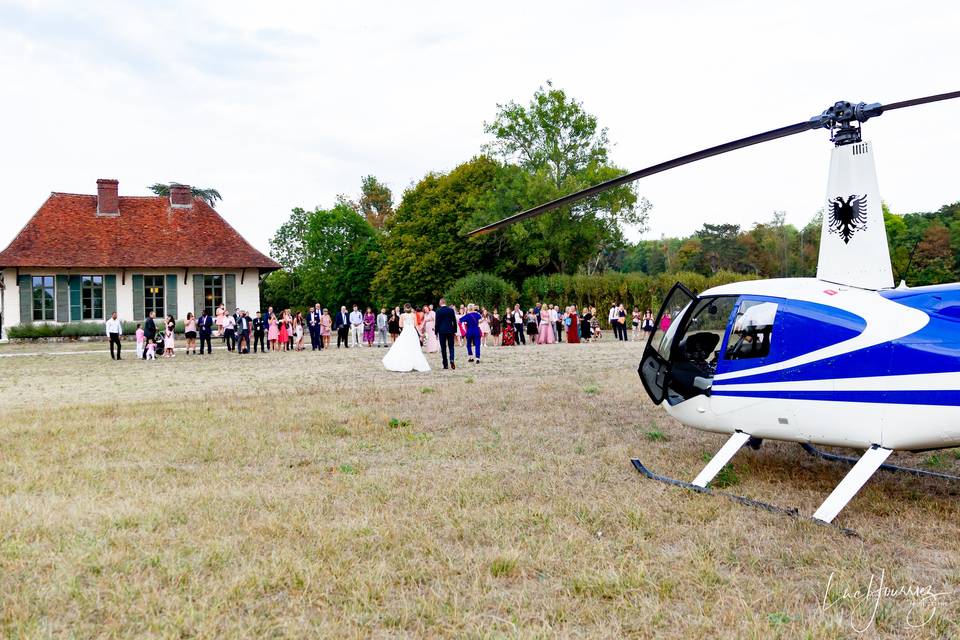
405	354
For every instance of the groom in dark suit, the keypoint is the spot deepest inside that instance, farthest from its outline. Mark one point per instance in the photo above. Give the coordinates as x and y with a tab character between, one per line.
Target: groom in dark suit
446	328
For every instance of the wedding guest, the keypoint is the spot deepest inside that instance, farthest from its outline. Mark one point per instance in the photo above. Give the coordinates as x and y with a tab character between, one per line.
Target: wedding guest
557	319
205	329
114	331
635	321
341	324
622	322
356	327
382	321
229	331
532	326
325	323
313	321
150	330
369	326
140	342
168	341
495	327
273	331
259	331
393	325
572	322
471	322
430	340
243	333
461	334
518	319
190	333
298	331
585	321
508	337
647	323
221	316
484	326
545	328
283	335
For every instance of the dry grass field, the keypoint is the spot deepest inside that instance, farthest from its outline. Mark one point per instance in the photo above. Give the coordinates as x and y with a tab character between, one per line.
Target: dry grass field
317	495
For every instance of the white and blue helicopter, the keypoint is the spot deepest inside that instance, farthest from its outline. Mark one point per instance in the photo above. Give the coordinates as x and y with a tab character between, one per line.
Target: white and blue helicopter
843	359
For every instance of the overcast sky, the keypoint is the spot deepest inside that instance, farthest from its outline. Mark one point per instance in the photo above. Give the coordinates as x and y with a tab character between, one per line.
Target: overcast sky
288	104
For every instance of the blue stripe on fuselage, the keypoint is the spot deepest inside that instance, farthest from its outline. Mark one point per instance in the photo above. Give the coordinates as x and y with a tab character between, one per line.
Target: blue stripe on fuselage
938	398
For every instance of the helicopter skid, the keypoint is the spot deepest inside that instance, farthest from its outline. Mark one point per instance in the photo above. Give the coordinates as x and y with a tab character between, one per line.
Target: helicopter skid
920	473
749	502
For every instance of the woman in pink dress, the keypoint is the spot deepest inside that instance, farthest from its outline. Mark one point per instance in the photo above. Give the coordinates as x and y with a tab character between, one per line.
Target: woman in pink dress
273	332
430	340
220	319
283	337
545	333
325	322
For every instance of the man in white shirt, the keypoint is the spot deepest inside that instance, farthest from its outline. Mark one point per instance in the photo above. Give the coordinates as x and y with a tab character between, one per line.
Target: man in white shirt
356	327
518	323
114	331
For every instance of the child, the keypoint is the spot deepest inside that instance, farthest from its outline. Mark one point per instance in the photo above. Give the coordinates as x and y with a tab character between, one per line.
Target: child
168	343
152	350
139	341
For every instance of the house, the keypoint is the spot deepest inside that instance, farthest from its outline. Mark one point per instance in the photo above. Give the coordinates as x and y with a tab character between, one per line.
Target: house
82	257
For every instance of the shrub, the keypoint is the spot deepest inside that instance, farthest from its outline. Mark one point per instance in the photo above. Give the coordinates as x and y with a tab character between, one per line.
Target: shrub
25	331
483	289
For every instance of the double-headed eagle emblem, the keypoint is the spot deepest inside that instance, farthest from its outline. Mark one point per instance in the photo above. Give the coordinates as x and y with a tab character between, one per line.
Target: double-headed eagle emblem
847	216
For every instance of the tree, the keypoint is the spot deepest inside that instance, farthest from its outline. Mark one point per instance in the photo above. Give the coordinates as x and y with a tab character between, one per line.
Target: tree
424	246
210	196
720	247
557	148
287	245
376	202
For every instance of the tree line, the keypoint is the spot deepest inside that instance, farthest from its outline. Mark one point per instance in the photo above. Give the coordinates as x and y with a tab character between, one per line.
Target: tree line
370	250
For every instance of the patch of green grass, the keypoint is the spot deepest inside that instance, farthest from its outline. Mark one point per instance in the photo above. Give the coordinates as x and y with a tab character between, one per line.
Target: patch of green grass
503	567
777	618
727	477
469	380
426	390
347	469
397	423
591	389
655	435
935	462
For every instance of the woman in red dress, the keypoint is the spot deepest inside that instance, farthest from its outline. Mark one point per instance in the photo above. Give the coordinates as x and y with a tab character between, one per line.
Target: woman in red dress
284	335
573	325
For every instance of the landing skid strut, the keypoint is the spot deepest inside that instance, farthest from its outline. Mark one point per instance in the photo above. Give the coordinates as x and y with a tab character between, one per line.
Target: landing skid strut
920	473
750	502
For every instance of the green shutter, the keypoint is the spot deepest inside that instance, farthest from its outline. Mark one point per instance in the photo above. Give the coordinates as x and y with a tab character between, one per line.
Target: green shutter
75	310
110	295
198	302
171	293
138	298
230	291
63	299
25	284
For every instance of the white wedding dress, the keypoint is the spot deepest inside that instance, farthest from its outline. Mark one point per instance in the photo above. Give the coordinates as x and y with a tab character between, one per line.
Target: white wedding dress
405	354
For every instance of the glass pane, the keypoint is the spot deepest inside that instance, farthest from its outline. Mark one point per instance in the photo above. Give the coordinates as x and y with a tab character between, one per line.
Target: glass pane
668	320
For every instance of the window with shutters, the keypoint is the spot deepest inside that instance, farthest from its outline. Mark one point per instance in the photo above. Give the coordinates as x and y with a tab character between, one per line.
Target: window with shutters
153	292
44	301
212	293
91	297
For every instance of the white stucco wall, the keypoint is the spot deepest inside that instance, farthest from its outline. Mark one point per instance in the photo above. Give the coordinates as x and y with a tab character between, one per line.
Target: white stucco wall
248	292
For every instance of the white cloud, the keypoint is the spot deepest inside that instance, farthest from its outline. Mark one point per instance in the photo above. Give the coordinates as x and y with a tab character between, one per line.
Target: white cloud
286	104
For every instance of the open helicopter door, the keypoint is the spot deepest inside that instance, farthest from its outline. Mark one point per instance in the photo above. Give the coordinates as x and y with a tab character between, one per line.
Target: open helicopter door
654	368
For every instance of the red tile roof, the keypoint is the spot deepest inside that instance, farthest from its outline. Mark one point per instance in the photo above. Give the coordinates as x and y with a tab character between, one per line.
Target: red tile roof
67	232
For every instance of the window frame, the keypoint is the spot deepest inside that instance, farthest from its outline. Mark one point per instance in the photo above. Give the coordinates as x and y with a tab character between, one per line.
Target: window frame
48	306
210	299
89	286
150	297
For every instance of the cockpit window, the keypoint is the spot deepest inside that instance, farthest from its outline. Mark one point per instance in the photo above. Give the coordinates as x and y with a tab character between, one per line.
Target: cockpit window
752	330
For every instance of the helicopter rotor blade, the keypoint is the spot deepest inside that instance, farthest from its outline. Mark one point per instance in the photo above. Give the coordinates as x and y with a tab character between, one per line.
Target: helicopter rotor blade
828	120
774	134
916	101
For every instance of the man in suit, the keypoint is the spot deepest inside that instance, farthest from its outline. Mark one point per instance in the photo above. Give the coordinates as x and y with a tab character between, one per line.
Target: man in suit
341	324
446	327
243	333
205	329
259	329
149	331
313	321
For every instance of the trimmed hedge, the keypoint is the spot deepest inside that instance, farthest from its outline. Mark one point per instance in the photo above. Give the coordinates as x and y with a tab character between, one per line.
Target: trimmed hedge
632	289
70	330
484	290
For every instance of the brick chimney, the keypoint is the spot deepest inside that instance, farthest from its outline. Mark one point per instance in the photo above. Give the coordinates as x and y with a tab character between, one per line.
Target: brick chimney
181	196
108	200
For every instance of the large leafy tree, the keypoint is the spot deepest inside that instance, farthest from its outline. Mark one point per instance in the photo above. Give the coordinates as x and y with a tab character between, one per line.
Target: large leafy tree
555	148
424	246
209	195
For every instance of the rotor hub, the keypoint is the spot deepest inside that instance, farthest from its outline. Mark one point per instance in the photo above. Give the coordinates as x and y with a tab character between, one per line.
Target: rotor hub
844	118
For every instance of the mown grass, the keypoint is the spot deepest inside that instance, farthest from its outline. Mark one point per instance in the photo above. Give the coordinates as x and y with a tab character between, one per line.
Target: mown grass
299	495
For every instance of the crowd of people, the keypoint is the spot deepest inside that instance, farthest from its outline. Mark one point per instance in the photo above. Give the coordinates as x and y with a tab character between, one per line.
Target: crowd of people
286	330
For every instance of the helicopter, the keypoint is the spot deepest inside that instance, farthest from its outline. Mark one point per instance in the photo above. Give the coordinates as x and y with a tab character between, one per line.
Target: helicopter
844	359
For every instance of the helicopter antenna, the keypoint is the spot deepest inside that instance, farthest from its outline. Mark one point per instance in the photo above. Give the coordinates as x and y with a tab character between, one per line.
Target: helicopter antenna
843	120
